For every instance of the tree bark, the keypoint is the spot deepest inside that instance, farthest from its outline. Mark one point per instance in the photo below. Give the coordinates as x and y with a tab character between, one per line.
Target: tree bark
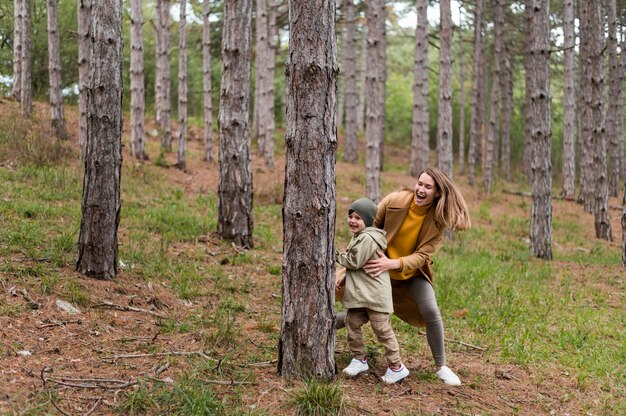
506	94
349	55
360	112
137	86
206	76
54	67
444	119
16	90
26	99
307	341
264	88
181	162
615	108
235	180
461	162
84	56
420	151
624	227
164	108
476	109
538	81
569	104
97	242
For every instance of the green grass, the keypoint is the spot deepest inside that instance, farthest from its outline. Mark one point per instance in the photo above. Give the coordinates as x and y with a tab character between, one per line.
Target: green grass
318	398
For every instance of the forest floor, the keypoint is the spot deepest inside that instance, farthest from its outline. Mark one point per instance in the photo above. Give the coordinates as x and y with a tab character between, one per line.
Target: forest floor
136	339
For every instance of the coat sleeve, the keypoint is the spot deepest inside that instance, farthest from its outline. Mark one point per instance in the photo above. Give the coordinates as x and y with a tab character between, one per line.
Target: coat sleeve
358	253
379	221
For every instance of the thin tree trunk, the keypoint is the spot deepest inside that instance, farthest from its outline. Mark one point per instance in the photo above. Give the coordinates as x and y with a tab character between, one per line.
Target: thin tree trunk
569	103
360	112
182	88
538	80
97	242
506	91
26	99
461	162
527	153
351	151
206	76
383	79
624	227
420	151
235	180
84	56
165	105
476	113
307	340
614	111
341	87
266	56
137	87
54	67
16	90
444	120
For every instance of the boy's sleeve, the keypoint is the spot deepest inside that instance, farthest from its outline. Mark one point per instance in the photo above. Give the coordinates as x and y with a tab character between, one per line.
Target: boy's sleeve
358	253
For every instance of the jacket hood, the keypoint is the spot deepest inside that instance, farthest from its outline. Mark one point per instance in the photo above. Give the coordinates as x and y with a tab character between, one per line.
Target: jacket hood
377	235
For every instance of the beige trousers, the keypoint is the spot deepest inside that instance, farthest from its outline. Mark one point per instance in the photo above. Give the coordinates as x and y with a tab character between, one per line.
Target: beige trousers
381	325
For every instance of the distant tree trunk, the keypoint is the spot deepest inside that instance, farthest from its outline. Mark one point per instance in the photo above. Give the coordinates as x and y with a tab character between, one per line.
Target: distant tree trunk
26	99
420	151
624	228
84	56
234	211
137	87
538	80
444	120
360	112
182	88
97	242
341	89
351	152
569	104
206	75
307	339
507	110
461	161
375	108
266	46
527	153
54	68
477	99
592	114
383	78
18	11
614	111
163	63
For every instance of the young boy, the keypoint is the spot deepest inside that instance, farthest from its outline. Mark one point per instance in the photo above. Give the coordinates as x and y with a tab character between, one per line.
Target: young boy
367	298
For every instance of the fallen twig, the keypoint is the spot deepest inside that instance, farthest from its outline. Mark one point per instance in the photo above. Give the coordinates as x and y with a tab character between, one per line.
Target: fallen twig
95	405
465	344
58	408
227	383
159	354
60	323
92	383
105	304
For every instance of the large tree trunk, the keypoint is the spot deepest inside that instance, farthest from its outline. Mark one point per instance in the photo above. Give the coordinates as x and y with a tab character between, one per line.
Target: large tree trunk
476	115
26	99
375	109
461	162
614	112
420	151
181	162
360	112
349	55
97	243
234	212
444	119
84	56
265	52
592	114
538	81
137	87
164	108
569	104
16	90
206	77
54	67
307	340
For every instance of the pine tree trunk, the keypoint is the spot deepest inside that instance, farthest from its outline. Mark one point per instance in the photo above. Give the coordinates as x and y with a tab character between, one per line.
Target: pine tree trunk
477	99
163	59
569	103
26	99
360	111
16	90
234	212
266	47
420	151
137	86
444	120
506	91
307	340
592	114
538	80
97	242
461	162
341	85
54	67
383	78
375	109
351	151
614	111
527	154
206	76
624	227
181	162
84	56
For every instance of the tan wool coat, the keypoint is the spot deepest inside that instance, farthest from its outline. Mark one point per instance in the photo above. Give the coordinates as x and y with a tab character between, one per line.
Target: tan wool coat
392	211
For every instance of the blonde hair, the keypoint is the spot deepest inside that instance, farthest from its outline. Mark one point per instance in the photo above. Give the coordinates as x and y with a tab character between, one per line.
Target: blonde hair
450	206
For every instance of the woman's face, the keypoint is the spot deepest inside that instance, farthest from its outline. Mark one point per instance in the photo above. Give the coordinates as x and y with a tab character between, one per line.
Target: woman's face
425	190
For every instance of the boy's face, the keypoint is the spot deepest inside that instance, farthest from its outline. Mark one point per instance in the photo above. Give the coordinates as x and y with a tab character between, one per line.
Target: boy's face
355	222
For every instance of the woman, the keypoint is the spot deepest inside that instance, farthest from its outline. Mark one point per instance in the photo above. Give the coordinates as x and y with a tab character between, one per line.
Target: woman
415	221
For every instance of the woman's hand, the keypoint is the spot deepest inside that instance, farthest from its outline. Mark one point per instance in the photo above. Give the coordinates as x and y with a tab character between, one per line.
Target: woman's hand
375	267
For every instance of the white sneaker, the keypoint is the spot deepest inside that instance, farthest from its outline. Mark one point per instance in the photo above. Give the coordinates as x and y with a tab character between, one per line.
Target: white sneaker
448	376
394	376
356	367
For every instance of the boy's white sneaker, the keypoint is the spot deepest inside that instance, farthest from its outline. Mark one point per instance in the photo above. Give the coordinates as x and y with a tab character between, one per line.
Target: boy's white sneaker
394	376
356	367
448	376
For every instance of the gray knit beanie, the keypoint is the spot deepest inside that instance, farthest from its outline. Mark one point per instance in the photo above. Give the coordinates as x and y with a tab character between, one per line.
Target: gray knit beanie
366	210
